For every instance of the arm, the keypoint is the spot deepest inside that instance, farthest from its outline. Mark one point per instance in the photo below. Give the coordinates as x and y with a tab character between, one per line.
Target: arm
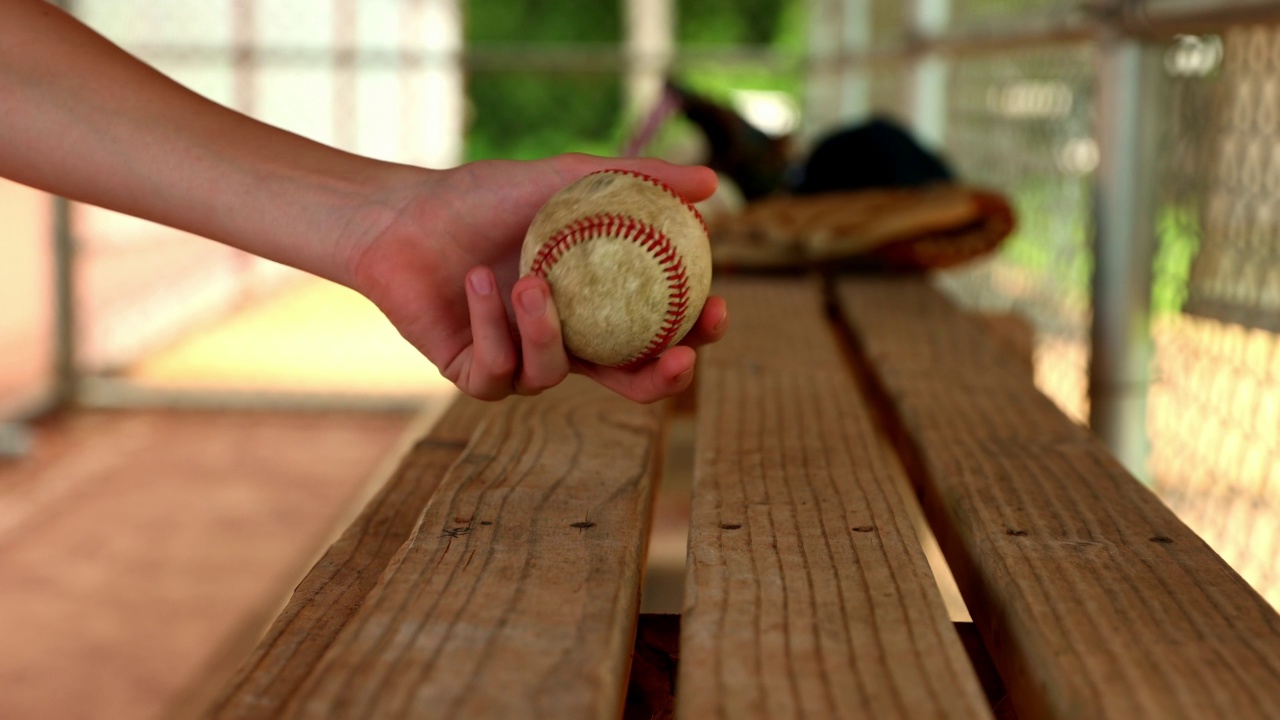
86	120
436	250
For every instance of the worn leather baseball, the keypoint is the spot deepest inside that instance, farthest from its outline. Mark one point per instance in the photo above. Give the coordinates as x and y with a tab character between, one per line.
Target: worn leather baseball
629	265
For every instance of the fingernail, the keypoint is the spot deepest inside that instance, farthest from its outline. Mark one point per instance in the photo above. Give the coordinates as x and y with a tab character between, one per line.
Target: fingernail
722	322
481	283
683	377
534	302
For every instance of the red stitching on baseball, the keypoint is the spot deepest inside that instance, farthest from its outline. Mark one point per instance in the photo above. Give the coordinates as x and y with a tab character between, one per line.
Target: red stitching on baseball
658	183
656	243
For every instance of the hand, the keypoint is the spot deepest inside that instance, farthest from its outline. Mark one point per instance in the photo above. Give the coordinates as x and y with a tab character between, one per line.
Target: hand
444	265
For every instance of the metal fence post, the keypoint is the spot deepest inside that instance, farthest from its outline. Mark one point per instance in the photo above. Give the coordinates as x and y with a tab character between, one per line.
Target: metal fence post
854	81
650	45
821	94
439	81
927	94
1129	80
837	89
66	374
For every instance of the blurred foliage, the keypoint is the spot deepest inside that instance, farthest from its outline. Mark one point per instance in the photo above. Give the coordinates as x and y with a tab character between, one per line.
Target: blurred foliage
777	25
1177	241
521	22
1042	225
1052	223
740	22
517	113
523	115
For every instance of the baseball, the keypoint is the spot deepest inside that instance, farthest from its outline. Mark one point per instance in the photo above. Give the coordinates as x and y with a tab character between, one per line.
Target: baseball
629	265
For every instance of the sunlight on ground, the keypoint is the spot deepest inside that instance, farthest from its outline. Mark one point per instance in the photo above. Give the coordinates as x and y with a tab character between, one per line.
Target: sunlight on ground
312	337
1214	410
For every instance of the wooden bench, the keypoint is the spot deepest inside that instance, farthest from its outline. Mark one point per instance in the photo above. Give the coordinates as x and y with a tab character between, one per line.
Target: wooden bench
498	574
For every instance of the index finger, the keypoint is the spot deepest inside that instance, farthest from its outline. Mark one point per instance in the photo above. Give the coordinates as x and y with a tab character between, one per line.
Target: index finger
692	182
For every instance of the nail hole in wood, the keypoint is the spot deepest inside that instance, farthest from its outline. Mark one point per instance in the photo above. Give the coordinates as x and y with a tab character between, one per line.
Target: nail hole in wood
1161	539
583	525
486	522
864	528
730	526
1016	533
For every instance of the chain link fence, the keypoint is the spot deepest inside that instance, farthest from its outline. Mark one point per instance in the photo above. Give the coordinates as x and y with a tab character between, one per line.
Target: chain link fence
1215	404
1020	123
1022	116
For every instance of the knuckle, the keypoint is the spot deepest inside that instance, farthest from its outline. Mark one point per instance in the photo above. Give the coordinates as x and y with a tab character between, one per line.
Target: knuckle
546	339
494	383
534	388
536	384
489	393
501	367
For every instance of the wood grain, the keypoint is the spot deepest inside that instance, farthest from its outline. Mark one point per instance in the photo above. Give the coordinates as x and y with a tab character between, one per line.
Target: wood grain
809	594
516	595
1093	598
337	585
1015	333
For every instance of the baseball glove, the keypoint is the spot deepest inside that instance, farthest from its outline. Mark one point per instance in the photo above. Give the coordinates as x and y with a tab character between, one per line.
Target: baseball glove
898	229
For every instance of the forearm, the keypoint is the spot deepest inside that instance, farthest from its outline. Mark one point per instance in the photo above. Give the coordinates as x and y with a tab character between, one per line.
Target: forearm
81	118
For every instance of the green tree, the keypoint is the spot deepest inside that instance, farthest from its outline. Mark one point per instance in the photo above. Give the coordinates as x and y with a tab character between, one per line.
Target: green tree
529	113
526	114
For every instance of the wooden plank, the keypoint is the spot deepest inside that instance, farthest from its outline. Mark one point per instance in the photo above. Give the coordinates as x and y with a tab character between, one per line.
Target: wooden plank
331	593
1093	598
516	595
808	594
1016	334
